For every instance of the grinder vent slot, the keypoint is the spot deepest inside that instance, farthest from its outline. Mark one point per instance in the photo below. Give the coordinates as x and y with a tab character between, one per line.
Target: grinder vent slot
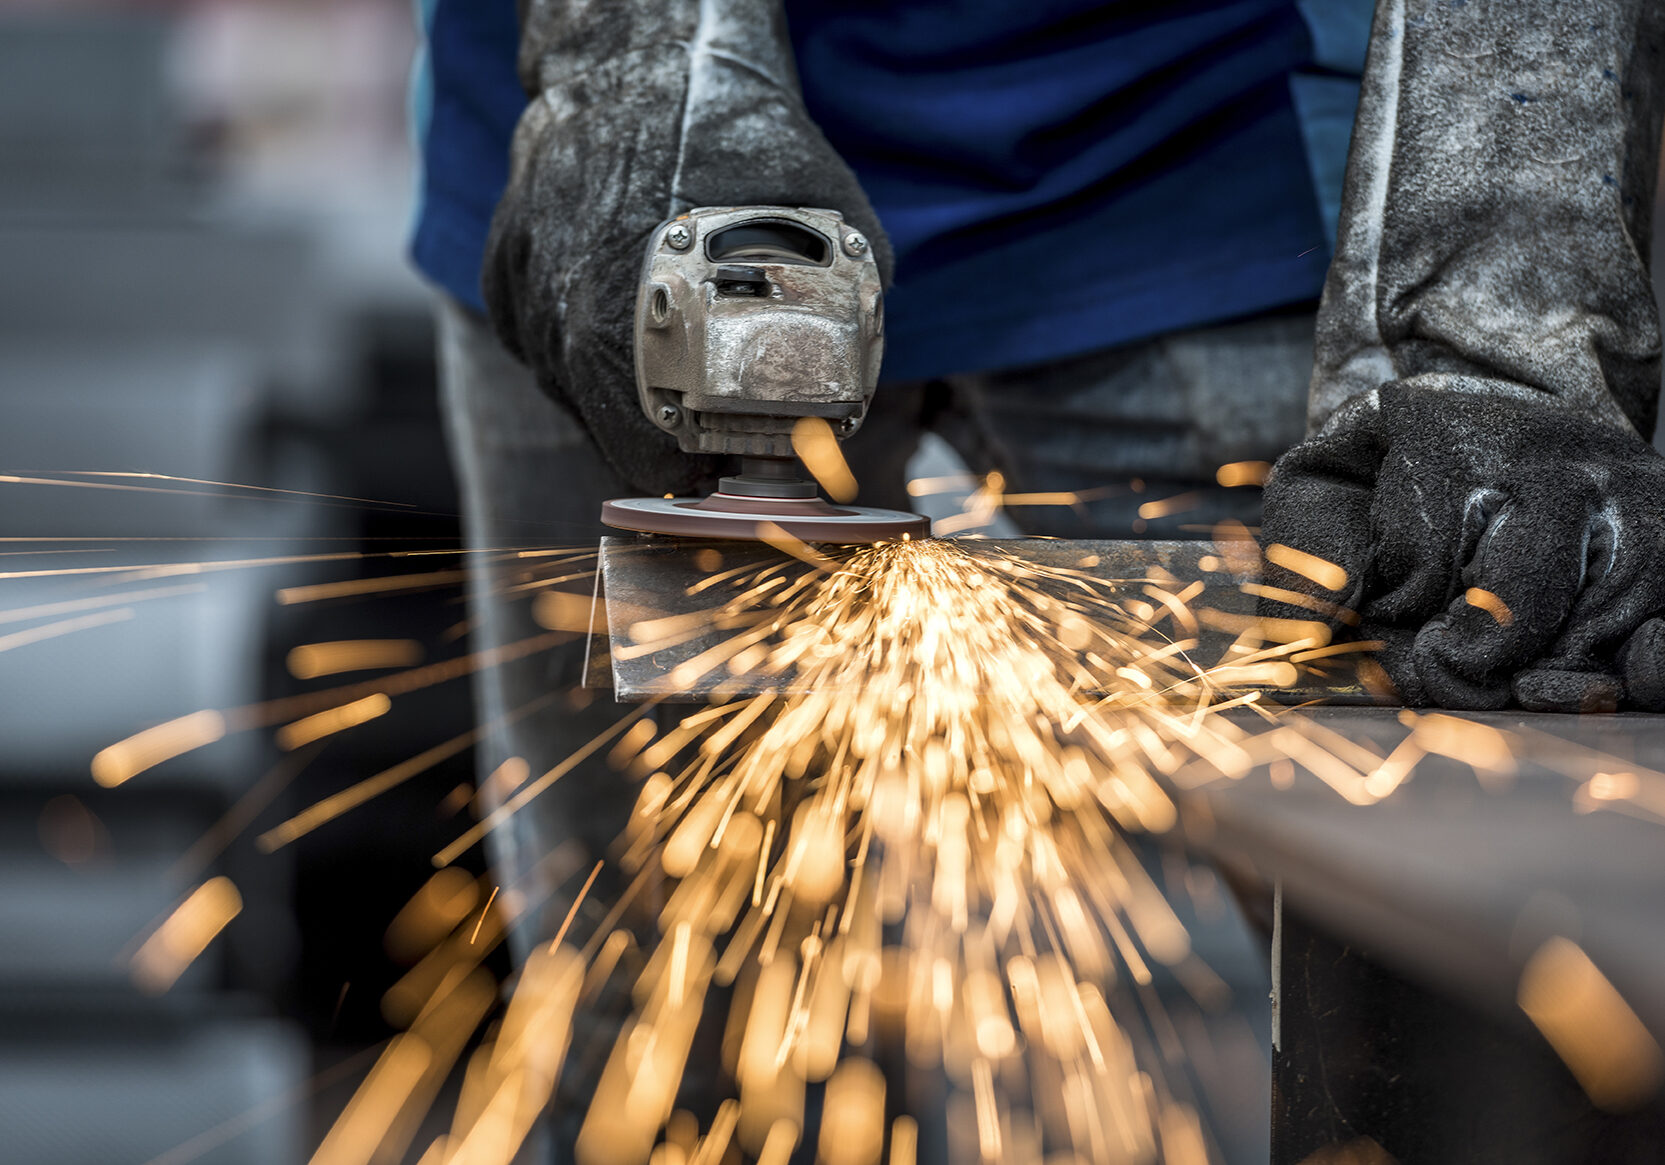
769	241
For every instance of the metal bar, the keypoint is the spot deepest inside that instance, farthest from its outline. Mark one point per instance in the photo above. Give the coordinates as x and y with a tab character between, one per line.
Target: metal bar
649	577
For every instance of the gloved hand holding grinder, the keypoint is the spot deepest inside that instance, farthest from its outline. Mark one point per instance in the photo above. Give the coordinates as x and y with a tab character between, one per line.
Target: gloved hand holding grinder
1488	352
641	110
1488	363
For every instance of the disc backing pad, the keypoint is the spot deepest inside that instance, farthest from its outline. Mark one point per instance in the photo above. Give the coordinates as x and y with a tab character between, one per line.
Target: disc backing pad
724	515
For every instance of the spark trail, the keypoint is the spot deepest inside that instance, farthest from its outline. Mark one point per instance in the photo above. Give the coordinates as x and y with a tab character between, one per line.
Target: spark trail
917	850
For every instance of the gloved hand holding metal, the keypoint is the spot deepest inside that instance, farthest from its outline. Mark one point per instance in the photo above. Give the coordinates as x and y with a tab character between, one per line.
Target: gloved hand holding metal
641	110
1488	363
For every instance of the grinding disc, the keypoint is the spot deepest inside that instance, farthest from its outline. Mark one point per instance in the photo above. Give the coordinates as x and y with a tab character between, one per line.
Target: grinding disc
725	515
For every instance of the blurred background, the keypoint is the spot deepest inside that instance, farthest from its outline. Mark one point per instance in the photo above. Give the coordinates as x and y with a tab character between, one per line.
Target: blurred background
203	209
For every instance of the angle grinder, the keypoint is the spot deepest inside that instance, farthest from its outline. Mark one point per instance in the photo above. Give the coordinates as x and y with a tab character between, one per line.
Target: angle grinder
749	320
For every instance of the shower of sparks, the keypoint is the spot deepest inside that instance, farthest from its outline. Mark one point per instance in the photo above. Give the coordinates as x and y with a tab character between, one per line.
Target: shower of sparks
916	847
913	847
920	847
916	851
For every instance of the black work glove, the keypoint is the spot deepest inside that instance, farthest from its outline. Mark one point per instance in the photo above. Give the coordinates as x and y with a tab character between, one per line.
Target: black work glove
1487	363
641	110
1496	544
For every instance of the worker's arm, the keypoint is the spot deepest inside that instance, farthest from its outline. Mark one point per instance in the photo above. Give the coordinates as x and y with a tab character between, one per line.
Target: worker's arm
640	110
1488	360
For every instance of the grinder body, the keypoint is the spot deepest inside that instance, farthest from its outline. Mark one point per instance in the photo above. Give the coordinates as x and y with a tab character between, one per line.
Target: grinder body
748	321
760	316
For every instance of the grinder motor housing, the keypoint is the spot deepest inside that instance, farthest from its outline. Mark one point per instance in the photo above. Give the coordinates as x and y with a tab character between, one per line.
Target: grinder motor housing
750	318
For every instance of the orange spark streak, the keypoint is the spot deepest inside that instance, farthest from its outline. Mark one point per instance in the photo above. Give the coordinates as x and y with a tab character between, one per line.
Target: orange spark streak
235	485
1163	507
1072	497
63	627
1591	1027
185	934
484	910
123	761
313	660
1489	603
1319	570
1238	473
787	544
332	720
1297	599
360	1129
572	911
816	446
369	586
920	487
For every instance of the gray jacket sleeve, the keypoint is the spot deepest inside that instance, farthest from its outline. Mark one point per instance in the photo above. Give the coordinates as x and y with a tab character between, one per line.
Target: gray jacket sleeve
661	73
1496	217
639	111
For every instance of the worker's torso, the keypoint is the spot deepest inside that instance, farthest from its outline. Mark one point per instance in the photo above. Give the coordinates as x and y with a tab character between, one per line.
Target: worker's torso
1056	175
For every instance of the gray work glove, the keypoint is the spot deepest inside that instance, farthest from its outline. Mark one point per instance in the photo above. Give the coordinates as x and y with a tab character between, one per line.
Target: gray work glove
1488	362
641	110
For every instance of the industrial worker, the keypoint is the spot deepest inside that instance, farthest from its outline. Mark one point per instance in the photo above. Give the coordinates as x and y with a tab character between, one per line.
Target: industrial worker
1105	227
1107	233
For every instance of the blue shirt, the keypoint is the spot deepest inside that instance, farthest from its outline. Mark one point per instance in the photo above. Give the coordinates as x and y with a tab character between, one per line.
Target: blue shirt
1056	176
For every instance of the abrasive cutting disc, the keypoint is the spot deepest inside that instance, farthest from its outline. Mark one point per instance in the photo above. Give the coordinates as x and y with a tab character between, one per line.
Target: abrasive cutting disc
724	515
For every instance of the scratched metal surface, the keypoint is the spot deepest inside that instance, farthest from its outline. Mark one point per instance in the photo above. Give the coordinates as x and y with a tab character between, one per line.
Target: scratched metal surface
649	576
